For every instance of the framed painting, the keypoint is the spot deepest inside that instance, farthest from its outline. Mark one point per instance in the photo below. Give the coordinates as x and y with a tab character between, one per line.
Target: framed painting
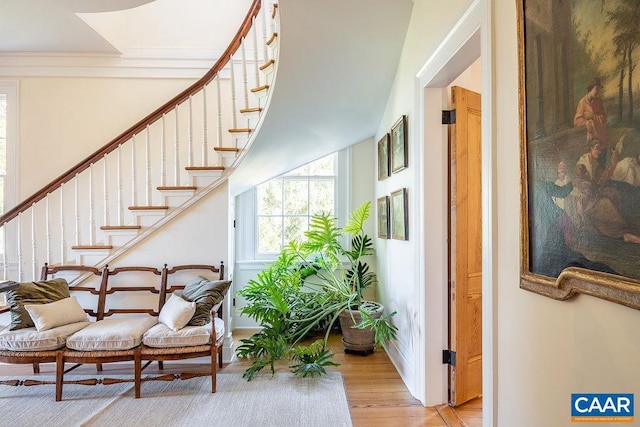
399	215
383	217
384	160
580	149
399	152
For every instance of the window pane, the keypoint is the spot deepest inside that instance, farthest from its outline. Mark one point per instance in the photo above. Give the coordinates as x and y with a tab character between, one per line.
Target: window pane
269	234
301	171
323	167
270	198
321	194
294	228
296	195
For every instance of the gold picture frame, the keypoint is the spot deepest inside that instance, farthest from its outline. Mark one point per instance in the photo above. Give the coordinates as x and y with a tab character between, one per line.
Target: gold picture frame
383	217
399	207
580	229
384	158
399	149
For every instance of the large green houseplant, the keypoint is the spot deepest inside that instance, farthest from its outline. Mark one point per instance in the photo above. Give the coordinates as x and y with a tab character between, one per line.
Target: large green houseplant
311	284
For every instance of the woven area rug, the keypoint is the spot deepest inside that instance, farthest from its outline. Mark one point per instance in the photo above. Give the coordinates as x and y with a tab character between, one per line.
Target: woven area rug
282	400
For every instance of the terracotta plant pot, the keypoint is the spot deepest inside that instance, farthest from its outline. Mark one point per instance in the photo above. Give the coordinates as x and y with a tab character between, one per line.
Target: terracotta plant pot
355	339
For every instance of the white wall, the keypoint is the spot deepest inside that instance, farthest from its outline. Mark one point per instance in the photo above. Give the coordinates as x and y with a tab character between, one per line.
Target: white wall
63	120
544	349
400	287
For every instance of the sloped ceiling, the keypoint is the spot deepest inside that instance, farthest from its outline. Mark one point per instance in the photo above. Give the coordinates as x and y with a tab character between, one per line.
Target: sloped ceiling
336	67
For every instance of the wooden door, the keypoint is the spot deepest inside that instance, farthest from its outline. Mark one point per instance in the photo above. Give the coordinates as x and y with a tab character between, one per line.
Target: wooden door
465	237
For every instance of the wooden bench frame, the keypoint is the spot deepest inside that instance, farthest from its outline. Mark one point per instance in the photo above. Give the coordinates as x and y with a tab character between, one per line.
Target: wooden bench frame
138	354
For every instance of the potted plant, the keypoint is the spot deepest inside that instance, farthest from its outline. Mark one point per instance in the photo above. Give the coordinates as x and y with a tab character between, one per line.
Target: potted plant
313	283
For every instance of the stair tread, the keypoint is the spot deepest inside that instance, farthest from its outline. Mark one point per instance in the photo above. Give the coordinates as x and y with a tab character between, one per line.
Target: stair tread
147	208
274	11
240	130
204	168
120	227
274	36
260	88
267	64
177	188
226	149
92	247
251	110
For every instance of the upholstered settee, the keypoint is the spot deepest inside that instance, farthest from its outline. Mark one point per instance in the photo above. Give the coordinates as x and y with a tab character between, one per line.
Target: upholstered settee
178	316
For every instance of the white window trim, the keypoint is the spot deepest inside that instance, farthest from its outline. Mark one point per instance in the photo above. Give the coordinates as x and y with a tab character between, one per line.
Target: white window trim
10	89
246	218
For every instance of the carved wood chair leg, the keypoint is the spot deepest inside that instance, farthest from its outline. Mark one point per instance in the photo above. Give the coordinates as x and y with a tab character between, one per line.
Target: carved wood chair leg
59	375
36	368
219	351
99	367
137	372
213	370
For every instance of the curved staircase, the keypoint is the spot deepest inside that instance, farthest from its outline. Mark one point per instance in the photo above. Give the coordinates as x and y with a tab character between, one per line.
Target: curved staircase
155	170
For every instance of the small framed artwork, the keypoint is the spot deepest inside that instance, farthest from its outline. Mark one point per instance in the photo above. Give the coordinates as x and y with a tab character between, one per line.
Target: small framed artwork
384	160
399	153
399	215
383	217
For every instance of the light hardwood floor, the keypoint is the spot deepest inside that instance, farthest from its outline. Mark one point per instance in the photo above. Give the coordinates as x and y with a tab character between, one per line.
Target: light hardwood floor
376	394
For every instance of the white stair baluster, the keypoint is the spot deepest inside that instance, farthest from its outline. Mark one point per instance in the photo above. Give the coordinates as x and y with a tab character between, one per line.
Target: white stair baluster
219	95
176	146
34	256
233	95
245	79
92	216
190	134
255	52
265	29
105	191
76	210
47	225
120	201
205	145
134	190
147	162
63	236
163	153
19	246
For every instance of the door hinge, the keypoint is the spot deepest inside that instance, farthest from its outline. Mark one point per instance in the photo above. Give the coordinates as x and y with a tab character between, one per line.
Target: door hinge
234	302
449	357
448	117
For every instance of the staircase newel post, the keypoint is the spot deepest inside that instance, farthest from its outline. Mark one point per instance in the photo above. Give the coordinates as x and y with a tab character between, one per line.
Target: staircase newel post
120	184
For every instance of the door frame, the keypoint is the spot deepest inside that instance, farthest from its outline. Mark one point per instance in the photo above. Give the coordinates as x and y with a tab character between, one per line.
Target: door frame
469	40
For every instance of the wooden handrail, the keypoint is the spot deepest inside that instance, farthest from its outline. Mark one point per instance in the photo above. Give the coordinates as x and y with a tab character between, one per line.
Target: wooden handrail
142	124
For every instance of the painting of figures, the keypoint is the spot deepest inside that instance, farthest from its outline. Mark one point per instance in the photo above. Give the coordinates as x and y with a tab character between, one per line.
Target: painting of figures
580	137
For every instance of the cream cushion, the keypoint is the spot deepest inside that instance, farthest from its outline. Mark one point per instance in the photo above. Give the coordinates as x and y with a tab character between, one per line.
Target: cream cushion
111	334
29	339
161	336
57	313
176	312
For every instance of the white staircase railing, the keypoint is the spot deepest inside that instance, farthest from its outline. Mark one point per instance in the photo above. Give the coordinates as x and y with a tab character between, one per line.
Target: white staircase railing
167	153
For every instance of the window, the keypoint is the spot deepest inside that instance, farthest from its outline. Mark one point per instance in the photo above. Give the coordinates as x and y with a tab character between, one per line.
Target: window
3	148
285	204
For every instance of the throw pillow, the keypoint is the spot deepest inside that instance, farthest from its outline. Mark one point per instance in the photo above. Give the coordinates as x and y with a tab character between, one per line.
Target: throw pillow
176	312
57	313
42	292
205	293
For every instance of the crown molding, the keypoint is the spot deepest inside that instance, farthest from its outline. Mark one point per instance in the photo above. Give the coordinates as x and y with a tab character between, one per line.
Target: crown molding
131	63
